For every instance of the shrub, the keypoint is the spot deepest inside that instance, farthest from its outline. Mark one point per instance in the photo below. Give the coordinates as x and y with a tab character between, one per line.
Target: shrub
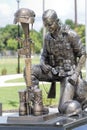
4	71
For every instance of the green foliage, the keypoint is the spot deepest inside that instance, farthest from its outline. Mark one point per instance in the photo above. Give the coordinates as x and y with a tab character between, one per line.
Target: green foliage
1	46
70	23
12	44
37	39
8	36
4	71
9	33
1	40
80	29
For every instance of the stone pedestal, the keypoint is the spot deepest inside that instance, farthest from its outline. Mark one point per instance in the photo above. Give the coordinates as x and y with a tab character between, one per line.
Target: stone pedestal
51	121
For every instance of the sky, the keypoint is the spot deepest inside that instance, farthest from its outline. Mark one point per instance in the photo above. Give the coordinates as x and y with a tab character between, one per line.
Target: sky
64	9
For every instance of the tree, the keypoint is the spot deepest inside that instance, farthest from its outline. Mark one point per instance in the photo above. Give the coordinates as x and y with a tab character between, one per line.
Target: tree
12	44
80	29
70	23
37	39
8	34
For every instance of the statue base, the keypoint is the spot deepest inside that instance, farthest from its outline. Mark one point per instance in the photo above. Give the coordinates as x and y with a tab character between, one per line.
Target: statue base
30	119
51	121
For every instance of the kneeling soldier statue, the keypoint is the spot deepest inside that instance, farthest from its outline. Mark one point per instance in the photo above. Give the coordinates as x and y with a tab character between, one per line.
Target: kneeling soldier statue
61	61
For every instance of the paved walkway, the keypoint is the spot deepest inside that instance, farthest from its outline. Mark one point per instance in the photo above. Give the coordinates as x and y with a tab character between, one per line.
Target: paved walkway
5	78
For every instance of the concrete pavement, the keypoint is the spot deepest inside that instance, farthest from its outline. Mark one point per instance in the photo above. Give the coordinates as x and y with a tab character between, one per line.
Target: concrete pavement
5	78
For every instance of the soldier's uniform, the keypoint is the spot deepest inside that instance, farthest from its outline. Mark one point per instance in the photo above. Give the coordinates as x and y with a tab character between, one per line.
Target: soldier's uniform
61	54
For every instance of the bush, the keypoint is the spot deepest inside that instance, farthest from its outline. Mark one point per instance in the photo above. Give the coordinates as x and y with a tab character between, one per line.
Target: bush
4	71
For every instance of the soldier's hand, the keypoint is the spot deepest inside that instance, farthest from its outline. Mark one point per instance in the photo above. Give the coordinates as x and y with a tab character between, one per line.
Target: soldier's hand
73	79
46	68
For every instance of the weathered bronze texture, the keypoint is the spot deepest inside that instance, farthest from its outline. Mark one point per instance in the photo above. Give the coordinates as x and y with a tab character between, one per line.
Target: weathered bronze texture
31	99
22	104
62	59
38	104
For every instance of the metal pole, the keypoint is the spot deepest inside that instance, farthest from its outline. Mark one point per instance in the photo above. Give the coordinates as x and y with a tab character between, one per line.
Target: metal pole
18	68
44	30
43	5
75	2
86	32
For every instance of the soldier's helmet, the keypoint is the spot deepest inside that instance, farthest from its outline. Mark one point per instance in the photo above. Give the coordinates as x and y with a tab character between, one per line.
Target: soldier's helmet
49	15
24	15
73	108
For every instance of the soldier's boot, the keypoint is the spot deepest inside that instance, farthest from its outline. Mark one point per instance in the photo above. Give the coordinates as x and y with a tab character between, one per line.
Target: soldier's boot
29	101
22	104
38	108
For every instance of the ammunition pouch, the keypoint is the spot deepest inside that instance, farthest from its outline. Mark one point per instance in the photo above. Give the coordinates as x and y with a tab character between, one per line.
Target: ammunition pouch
62	72
67	65
51	60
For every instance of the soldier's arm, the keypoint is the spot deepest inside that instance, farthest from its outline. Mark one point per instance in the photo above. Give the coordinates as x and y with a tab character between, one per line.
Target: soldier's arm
80	53
44	57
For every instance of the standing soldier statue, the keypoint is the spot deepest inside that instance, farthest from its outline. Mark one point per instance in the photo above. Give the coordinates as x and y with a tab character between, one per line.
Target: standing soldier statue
31	98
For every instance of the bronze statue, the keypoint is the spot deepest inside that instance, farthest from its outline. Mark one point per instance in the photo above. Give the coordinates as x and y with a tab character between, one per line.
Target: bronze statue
61	61
30	98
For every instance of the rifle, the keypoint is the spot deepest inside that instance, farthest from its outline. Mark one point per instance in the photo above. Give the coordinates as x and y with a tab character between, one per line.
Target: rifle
74	77
26	50
26	17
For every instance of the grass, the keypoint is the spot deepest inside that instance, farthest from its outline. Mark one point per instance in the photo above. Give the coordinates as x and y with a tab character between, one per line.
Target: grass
9	95
10	99
47	101
9	65
12	103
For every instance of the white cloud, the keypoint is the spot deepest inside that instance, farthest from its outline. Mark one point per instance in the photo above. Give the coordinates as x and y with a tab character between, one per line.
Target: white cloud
35	5
4	9
64	9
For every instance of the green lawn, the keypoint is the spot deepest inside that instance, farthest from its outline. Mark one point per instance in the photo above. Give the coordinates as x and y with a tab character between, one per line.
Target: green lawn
9	65
9	96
